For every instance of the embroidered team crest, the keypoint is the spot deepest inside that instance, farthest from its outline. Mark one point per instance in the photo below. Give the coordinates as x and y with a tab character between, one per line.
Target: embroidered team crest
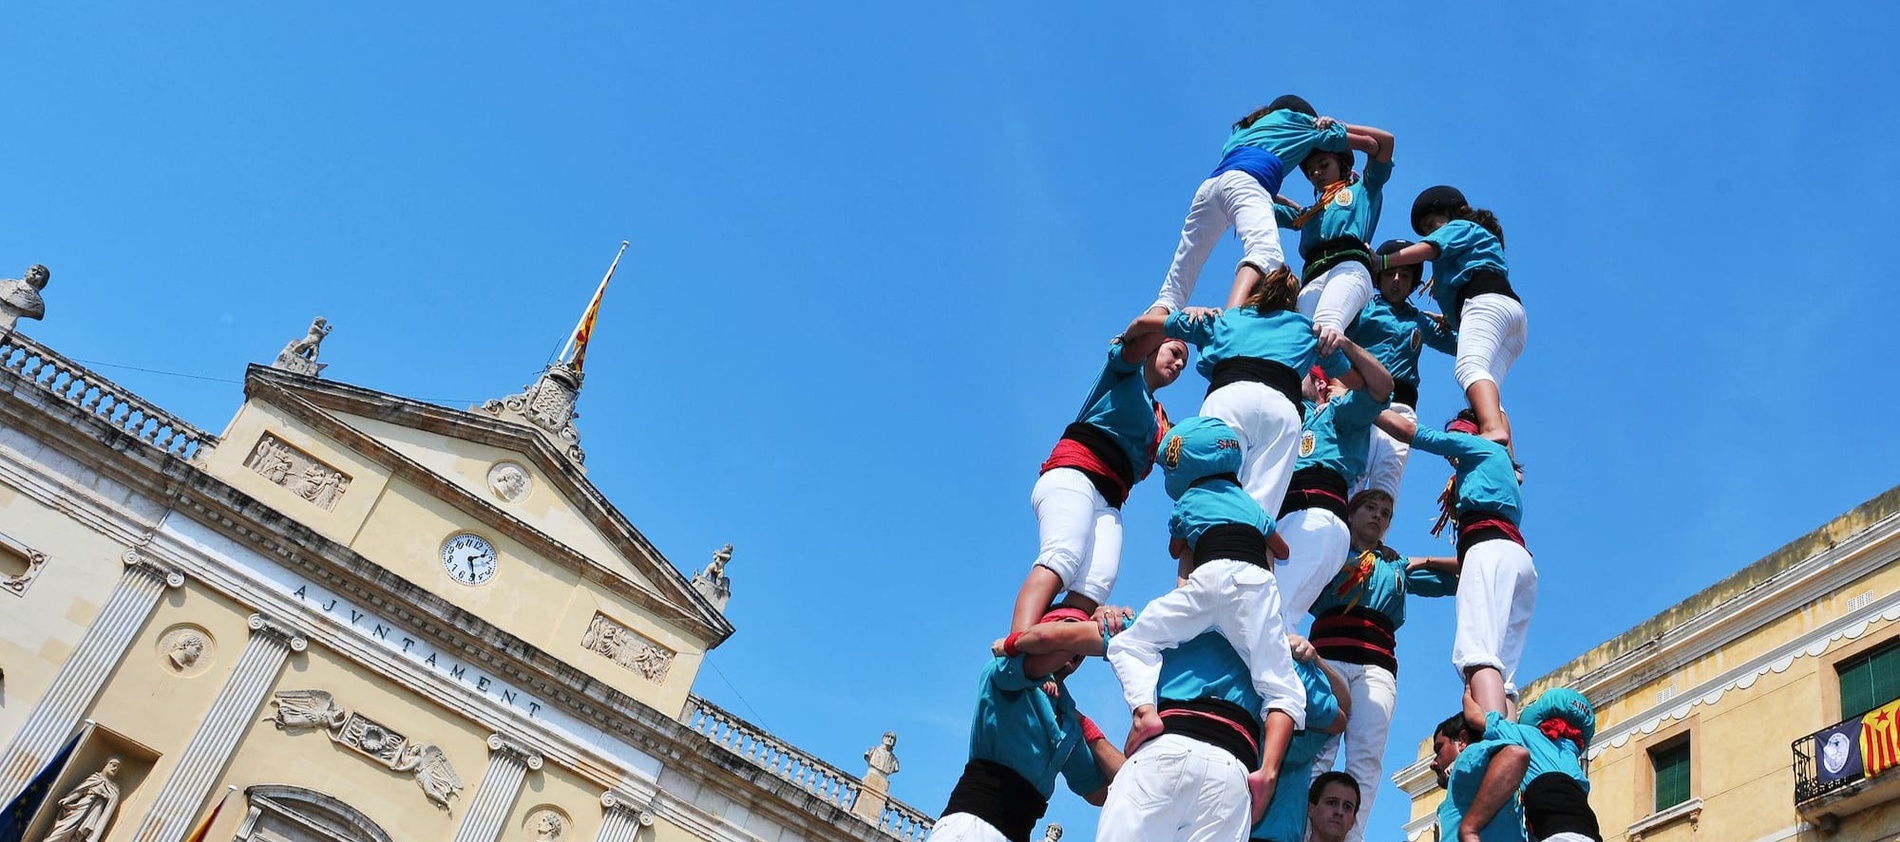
1418	340
1306	443
1342	199
1171	458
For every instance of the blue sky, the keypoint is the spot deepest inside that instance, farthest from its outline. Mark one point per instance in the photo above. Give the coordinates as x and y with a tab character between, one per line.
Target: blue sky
877	251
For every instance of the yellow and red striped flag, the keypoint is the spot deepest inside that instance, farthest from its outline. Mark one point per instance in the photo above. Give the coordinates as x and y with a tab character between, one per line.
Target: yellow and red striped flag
577	343
203	829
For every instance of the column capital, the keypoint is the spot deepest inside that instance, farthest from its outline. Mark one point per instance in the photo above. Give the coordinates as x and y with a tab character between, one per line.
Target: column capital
140	563
289	635
514	748
614	801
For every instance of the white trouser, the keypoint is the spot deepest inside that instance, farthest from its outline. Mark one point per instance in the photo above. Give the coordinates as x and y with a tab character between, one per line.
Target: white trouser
963	827
1567	837
1317	543
1374	691
1234	200
1269	428
1497	591
1177	789
1385	459
1081	533
1491	334
1238	600
1335	298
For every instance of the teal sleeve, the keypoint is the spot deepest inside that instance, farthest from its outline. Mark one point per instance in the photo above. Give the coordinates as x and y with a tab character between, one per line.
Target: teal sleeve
1322	707
1376	175
1440	340
1439	443
1119	364
1198	331
1359	409
1081	772
1430	583
1331	139
1285	216
1334	364
1453	237
1006	674
1116	371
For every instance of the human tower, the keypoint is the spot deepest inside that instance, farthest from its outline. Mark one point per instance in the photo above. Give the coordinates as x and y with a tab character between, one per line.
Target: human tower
1283	489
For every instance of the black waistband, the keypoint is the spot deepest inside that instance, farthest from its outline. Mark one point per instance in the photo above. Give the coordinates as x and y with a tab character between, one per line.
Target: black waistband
1555	803
1315	487
999	796
1277	376
1477	526
1356	636
1237	541
1219	723
1405	393
1105	448
1326	254
1484	281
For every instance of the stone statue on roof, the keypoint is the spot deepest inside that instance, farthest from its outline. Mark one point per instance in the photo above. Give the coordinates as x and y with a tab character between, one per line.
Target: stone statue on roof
20	299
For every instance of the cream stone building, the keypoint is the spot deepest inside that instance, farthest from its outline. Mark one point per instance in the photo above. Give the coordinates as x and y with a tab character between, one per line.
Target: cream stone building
356	616
1760	709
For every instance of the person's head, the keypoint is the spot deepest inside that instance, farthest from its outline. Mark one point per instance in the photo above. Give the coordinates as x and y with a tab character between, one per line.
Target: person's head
1450	738
1564	715
1164	365
1316	386
1399	282
1323	168
1276	290
1195	449
1287	102
1368	516
1332	804
1466	421
111	768
1439	205
1053	665
37	276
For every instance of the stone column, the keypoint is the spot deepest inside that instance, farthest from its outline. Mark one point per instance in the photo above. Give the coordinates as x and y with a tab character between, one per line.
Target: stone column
78	681
624	817
509	761
231	713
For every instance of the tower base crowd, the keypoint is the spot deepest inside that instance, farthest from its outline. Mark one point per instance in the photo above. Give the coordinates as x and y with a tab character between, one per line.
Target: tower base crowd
1262	686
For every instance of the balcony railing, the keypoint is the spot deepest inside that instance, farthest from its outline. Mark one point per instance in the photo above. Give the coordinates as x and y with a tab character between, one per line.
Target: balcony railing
1829	761
76	385
815	776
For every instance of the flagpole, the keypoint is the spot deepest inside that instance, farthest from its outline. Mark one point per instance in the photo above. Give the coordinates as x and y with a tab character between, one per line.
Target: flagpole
594	304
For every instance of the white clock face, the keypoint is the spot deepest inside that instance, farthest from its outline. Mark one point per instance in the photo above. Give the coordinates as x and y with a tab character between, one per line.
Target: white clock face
469	559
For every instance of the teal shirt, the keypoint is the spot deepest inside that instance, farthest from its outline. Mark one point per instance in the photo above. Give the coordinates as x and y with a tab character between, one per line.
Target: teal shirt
1382	587
1121	406
1216	502
1289	135
1020	726
1337	433
1547	755
1207	667
1487	480
1461	786
1282	336
1395	333
1285	819
1353	212
1464	247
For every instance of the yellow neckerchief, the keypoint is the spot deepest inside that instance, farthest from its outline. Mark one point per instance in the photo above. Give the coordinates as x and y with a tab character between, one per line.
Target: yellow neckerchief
1357	577
1326	197
1447	507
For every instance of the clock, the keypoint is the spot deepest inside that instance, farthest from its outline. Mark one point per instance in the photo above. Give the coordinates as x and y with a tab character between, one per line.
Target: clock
469	559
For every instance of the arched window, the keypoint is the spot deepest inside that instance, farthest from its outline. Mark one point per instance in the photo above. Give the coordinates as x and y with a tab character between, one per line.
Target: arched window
281	813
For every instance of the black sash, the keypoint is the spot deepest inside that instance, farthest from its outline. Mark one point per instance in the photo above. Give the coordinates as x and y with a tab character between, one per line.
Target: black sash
1326	254
1276	375
1555	803
1405	393
1105	448
1315	487
999	796
1484	281
1217	722
1236	541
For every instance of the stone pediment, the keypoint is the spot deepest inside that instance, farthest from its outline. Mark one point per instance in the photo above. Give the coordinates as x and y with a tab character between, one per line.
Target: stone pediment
505	474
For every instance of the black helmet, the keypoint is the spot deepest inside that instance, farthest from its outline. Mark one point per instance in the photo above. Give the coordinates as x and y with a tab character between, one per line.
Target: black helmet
1444	198
1390	246
1292	102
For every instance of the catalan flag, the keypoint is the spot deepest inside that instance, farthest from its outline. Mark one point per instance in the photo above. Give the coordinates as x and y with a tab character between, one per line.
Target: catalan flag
577	344
1880	738
203	829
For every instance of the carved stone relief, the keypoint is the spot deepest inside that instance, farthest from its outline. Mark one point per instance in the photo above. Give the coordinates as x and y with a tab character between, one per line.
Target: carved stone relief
304	475
300	355
546	823
27	560
306	709
186	650
510	482
628	648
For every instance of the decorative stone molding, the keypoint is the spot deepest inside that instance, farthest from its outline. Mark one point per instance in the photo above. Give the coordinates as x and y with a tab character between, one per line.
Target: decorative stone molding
291	636
509	482
626	806
546	823
528	756
32	558
298	472
141	564
548	407
628	648
1690	810
186	650
307	709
